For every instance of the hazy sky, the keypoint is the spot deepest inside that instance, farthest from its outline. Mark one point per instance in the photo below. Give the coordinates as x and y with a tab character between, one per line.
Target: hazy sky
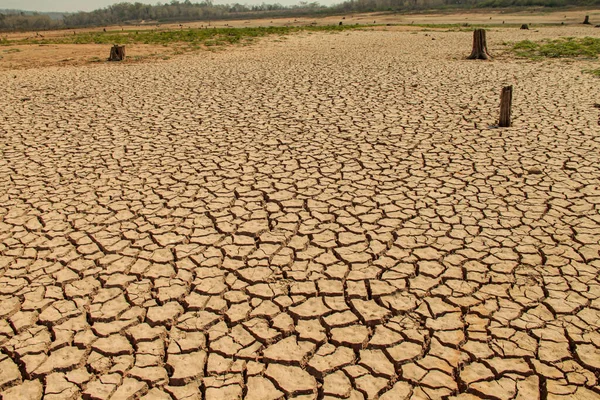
89	5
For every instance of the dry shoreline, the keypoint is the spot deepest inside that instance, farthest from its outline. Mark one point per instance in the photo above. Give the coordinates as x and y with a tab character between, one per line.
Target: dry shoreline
35	56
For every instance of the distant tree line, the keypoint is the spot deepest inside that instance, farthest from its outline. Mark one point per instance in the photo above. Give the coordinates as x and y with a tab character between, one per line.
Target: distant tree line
180	11
124	13
130	13
413	5
28	22
538	3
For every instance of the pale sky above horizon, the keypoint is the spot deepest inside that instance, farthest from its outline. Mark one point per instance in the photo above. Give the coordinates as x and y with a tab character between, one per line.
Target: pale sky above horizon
90	5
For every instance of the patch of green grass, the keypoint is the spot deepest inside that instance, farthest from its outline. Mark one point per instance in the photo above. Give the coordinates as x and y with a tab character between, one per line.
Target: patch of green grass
11	51
595	72
587	47
210	37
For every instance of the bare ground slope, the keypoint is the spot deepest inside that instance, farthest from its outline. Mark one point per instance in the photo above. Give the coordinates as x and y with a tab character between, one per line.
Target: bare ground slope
330	216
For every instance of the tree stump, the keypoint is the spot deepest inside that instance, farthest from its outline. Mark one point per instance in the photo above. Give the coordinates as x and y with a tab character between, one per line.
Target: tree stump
117	53
480	51
586	20
525	26
505	106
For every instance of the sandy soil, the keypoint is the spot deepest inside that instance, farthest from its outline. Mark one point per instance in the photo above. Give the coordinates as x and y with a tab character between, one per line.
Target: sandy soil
34	56
329	216
37	56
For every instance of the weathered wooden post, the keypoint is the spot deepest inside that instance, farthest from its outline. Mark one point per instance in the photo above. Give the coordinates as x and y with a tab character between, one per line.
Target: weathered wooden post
117	53
480	51
586	20
505	106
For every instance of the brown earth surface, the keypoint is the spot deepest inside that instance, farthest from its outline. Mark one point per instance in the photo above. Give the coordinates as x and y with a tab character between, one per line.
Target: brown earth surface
55	55
327	216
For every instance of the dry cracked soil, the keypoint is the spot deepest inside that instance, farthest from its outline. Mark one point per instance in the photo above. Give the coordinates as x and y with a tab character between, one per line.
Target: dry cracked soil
327	216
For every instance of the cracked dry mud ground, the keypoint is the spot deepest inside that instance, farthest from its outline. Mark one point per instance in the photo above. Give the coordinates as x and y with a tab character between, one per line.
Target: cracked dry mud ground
327	217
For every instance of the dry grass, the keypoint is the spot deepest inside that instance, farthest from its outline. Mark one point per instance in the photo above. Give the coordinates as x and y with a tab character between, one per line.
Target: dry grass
587	47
